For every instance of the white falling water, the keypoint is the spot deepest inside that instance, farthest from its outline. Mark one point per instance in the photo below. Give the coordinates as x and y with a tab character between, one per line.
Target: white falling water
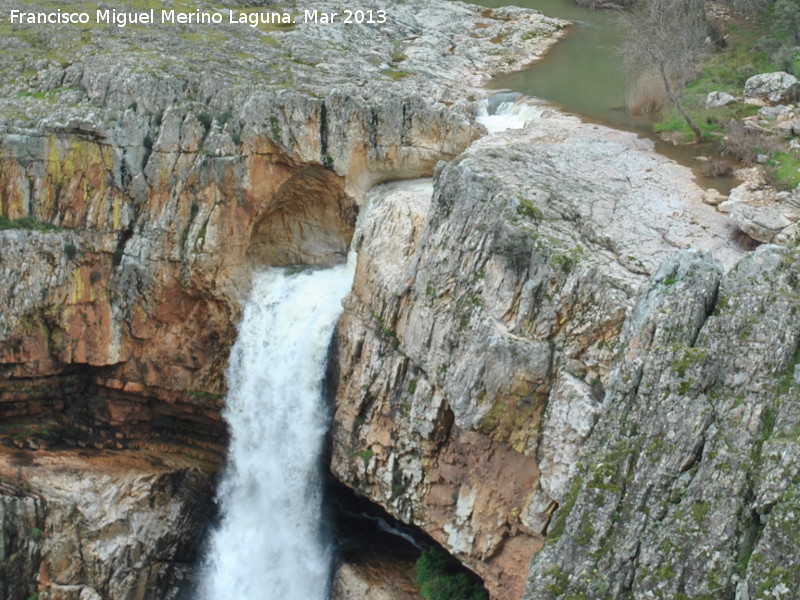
269	544
508	111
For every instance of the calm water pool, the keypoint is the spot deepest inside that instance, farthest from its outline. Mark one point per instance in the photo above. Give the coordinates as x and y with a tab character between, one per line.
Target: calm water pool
581	75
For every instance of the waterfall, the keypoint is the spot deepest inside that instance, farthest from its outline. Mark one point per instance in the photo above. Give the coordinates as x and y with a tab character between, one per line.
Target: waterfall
269	544
508	110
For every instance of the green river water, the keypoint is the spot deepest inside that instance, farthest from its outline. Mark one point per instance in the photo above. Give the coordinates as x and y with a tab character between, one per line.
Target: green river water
581	75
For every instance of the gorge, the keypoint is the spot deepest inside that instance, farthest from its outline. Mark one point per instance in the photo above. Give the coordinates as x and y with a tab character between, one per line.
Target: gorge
555	360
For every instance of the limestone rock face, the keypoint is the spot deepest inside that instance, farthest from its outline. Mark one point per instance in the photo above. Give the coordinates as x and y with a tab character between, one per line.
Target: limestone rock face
548	354
484	322
141	184
778	87
155	192
383	581
686	487
78	525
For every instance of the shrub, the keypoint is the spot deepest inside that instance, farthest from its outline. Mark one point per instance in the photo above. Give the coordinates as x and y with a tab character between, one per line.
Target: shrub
787	58
745	146
646	96
205	120
438	579
224	117
786	19
716	168
515	247
70	250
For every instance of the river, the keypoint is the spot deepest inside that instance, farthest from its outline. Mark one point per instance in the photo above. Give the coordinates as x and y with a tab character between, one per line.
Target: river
581	75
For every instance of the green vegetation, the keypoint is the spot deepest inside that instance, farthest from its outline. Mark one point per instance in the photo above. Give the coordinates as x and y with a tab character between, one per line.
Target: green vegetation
275	129
394	74
70	250
568	261
784	170
441	578
365	455
528	209
675	81
560	580
560	523
664	41
28	223
205	120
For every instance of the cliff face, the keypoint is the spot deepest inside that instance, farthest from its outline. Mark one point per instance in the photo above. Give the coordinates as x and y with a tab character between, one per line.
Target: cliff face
157	190
484	325
688	489
139	189
587	393
139	291
531	366
78	525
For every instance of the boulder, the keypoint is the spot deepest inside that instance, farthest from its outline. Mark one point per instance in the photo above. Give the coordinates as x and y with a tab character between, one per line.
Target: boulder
713	197
774	87
771	112
788	128
790	235
717	99
762	223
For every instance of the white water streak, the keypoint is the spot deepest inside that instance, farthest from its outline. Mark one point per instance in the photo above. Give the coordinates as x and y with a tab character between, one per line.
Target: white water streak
269	545
513	113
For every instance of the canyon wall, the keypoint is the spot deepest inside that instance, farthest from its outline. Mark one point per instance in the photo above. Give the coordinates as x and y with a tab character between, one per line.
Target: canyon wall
484	326
550	362
144	175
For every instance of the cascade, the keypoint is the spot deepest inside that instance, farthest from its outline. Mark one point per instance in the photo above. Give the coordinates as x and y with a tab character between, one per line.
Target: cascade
270	544
508	110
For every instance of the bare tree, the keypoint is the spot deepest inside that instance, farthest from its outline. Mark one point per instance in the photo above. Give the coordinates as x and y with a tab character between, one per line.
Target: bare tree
668	37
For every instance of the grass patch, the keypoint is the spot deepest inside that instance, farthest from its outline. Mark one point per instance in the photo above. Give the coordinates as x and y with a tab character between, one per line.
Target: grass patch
28	223
394	74
784	171
724	71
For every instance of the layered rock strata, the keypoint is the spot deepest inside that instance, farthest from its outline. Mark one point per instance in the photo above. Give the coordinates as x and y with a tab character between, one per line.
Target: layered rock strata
145	172
485	321
84	525
153	192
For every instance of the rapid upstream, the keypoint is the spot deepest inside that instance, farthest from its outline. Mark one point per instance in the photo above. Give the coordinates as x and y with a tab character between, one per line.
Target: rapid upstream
270	544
